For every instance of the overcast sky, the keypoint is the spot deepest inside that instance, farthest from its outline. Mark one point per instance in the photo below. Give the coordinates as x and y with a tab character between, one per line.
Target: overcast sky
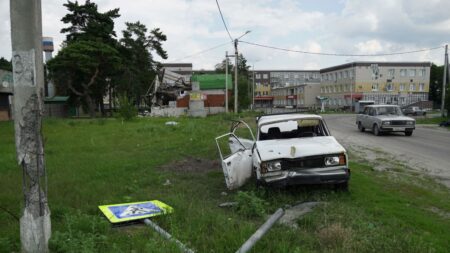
331	26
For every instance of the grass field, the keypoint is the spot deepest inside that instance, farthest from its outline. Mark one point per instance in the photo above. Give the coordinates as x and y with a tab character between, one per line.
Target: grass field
435	120
105	161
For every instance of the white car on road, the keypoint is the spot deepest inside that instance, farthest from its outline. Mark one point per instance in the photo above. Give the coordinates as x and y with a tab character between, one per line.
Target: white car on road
288	149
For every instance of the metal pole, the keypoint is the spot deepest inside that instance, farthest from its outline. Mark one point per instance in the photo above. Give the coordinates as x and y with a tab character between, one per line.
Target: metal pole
28	75
168	236
253	88
247	246
444	82
236	76
226	81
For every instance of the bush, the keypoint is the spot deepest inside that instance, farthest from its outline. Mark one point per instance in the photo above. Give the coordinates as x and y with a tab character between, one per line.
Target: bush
127	111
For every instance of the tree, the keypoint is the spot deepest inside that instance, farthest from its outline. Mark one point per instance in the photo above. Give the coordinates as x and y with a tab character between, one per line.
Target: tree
435	93
5	64
89	56
87	23
80	68
137	46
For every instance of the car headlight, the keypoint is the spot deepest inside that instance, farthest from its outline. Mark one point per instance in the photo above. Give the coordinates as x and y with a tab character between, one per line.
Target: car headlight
270	166
410	122
386	122
335	160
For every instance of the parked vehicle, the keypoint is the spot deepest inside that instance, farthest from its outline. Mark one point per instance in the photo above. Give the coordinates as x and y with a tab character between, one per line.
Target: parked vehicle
385	118
414	110
289	149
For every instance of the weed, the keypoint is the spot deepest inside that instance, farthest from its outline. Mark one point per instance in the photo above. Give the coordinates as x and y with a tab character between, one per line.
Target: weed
250	205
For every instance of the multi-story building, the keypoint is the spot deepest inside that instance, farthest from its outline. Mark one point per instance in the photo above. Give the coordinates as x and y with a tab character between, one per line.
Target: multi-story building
267	81
401	83
300	95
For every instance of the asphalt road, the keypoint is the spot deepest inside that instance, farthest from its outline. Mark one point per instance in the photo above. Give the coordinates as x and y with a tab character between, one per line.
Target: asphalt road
427	150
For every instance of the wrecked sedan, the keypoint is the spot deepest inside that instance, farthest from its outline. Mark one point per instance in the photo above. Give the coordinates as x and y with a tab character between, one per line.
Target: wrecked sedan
288	149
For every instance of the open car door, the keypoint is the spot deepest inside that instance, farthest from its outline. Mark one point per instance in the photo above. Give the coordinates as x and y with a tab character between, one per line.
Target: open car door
237	165
243	135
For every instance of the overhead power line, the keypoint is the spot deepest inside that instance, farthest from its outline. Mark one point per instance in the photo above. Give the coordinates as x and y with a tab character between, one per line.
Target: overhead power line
338	54
201	52
223	21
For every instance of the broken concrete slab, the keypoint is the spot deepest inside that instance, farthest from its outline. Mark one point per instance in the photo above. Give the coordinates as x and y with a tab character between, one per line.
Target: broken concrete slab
292	214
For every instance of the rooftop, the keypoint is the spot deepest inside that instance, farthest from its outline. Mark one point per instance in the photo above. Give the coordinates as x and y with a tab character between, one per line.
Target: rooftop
379	63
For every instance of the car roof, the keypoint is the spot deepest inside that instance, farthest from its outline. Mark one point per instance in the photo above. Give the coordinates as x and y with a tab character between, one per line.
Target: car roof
266	119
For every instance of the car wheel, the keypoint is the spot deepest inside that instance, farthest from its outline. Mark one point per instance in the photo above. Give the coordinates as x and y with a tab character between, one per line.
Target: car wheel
376	130
408	133
360	127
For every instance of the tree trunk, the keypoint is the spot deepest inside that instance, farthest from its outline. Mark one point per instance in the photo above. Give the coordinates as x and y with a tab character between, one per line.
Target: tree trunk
91	105
102	108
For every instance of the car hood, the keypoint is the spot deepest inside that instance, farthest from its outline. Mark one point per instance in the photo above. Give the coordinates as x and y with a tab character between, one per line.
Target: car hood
391	117
298	147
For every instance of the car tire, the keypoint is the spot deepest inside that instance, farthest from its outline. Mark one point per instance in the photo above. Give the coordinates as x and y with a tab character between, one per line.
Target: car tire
408	133
376	130
360	127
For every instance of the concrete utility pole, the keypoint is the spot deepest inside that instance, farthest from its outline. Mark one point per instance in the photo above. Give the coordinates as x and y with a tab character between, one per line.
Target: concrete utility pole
226	81
253	88
444	82
28	74
236	76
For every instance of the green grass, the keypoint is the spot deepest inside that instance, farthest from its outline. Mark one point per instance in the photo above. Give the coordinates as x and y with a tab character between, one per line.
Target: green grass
435	121
105	161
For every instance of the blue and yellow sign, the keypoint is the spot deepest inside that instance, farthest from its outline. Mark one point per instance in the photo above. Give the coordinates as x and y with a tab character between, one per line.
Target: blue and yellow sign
134	211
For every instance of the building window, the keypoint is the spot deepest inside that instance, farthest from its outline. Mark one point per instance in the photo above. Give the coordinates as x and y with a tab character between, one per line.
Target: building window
265	76
340	75
422	72
421	86
391	72
389	87
402	72
321	90
402	87
350	73
412	87
412	72
257	76
346	74
374	87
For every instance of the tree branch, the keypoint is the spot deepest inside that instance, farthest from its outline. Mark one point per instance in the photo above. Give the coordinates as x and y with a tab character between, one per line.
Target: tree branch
74	90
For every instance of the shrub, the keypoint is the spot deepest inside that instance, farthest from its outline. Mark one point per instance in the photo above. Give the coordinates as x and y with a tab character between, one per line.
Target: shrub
250	205
127	111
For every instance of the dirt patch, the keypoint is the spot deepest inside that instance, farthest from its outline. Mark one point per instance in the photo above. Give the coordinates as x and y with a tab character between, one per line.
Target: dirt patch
334	236
192	165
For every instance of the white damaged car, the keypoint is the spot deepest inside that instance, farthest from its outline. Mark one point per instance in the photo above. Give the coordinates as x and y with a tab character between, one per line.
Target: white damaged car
288	149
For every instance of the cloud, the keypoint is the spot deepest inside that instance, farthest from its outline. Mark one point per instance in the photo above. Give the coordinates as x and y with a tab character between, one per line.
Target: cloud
347	26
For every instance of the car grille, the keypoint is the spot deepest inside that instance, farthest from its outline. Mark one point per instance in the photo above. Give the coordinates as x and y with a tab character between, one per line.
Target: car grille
398	122
303	163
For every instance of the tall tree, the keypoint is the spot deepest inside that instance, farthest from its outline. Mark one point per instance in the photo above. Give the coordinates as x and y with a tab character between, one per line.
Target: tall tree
89	56
137	48
80	68
435	92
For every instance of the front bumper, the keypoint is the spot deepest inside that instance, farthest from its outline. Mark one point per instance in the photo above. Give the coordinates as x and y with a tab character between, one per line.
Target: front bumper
397	128
329	175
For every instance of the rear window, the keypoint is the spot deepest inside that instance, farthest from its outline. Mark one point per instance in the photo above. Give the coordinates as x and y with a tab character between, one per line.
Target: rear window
293	129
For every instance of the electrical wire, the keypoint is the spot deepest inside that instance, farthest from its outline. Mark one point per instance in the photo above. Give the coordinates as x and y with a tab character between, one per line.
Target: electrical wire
223	21
201	52
337	54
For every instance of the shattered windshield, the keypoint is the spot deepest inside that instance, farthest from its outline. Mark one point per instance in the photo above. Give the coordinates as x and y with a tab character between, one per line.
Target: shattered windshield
292	129
389	110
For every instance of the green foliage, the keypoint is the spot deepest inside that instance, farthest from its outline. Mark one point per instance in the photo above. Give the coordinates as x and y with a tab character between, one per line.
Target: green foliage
5	64
127	109
139	67
250	205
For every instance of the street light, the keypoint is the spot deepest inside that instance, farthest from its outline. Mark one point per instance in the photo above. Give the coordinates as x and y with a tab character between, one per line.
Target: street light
236	70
